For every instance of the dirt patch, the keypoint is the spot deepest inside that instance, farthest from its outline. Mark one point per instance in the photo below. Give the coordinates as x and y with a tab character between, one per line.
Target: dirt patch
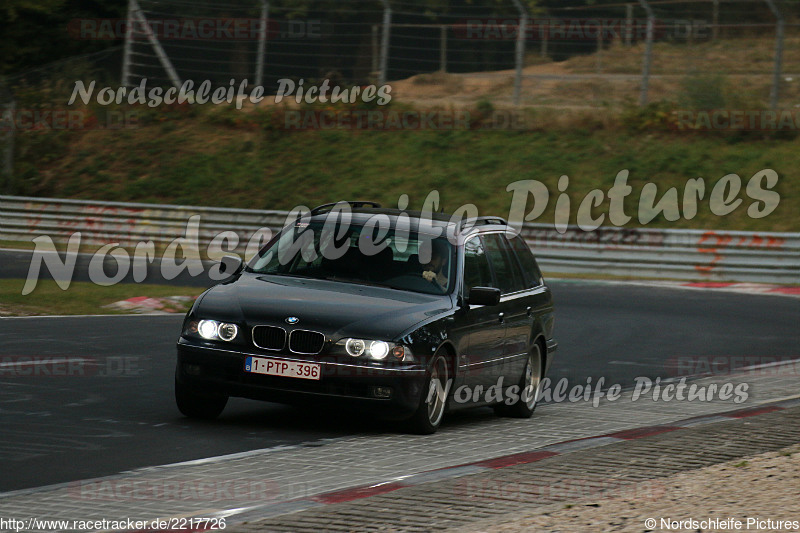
762	486
612	77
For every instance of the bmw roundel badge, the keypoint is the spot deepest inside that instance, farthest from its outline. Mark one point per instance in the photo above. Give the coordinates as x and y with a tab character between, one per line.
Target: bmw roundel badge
292	320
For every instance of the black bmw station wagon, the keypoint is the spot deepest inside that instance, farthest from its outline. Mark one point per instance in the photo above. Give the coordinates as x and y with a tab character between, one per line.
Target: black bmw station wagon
397	313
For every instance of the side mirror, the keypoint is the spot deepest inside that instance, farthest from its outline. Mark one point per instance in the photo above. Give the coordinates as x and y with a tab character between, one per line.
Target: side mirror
483	296
230	265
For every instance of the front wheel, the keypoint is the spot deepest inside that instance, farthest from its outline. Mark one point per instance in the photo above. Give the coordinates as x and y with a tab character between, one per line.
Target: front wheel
194	404
529	388
429	414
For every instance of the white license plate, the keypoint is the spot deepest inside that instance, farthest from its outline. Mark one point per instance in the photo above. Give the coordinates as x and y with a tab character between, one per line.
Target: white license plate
288	369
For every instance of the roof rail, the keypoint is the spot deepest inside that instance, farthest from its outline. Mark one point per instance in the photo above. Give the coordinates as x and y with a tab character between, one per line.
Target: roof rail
478	221
354	204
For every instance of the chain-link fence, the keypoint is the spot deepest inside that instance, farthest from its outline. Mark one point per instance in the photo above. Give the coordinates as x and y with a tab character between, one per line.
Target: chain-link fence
697	54
707	54
355	42
605	53
701	51
7	109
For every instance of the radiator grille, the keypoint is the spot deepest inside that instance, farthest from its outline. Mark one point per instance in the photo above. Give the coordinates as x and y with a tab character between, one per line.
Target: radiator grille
306	342
269	337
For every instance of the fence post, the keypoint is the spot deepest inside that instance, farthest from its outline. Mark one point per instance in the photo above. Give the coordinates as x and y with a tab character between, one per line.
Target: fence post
262	43
375	50
543	34
127	49
648	52
520	55
715	20
8	150
443	48
776	77
154	42
628	24
387	24
599	58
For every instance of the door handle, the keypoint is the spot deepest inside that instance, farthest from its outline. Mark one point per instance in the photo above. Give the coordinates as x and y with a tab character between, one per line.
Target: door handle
529	311
501	317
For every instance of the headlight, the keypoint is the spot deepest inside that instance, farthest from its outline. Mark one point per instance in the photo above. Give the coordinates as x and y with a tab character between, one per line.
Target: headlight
355	347
375	349
207	329
227	332
378	349
214	331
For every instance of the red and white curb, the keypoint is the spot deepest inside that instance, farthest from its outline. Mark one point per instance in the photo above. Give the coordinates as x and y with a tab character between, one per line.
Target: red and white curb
750	288
552	450
366	491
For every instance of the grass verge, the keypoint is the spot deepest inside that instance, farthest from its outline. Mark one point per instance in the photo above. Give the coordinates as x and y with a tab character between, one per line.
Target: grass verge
82	298
220	156
197	162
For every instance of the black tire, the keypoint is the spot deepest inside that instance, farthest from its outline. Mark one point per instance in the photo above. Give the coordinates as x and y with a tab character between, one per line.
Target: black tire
194	404
433	400
529	384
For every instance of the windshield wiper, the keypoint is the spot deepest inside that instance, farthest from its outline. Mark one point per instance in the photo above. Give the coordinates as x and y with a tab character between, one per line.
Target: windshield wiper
370	284
287	275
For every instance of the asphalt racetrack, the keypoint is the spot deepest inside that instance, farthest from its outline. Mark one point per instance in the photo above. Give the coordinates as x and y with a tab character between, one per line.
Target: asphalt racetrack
110	406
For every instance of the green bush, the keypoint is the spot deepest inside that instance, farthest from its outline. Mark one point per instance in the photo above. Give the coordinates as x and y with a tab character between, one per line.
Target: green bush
659	116
703	91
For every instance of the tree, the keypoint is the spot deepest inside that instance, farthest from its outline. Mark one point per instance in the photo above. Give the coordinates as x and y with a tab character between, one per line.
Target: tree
35	32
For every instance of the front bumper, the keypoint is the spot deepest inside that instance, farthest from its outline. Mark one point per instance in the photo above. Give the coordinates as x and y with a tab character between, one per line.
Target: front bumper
221	370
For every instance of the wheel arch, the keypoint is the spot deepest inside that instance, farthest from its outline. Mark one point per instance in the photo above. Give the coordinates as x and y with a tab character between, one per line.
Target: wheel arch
450	354
540	340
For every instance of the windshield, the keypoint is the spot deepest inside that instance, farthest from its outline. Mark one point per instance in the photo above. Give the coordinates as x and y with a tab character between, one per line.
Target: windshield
371	255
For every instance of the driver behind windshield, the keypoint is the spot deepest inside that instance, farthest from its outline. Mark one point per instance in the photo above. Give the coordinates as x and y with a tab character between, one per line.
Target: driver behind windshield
436	269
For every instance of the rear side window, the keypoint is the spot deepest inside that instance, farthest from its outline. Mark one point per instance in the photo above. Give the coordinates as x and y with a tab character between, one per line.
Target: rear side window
533	276
505	266
476	266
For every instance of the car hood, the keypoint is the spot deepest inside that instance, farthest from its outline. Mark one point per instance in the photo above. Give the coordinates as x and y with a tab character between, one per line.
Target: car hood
335	308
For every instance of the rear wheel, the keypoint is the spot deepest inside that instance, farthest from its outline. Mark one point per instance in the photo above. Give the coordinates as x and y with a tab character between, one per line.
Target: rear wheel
429	414
529	388
195	404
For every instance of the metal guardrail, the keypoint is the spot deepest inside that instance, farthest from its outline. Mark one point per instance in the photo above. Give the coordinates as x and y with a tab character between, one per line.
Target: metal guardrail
709	255
636	252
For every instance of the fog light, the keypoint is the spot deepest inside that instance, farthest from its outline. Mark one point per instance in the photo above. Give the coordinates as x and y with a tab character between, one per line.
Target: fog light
192	370
382	392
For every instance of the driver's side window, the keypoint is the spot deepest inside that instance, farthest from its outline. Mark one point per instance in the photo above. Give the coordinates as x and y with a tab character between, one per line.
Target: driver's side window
476	266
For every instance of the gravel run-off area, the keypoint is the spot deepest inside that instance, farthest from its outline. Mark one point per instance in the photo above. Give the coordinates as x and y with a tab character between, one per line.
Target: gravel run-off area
761	487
